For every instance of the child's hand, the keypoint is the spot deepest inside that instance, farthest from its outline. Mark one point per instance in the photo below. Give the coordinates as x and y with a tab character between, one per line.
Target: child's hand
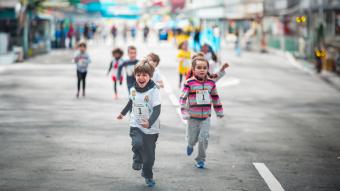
213	76
160	84
120	116
145	123
185	116
225	65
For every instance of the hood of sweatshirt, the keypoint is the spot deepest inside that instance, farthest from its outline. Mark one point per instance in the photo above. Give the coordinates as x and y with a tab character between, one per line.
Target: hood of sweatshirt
151	84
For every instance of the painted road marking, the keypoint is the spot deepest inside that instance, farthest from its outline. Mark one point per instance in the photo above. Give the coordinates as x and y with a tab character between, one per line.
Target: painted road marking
268	177
228	82
294	63
174	99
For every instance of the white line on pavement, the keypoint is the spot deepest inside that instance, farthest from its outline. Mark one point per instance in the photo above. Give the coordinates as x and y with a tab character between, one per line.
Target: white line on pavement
228	82
268	177
174	99
293	62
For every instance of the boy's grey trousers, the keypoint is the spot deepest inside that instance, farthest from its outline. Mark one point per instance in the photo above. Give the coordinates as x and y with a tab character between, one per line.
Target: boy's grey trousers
198	131
143	147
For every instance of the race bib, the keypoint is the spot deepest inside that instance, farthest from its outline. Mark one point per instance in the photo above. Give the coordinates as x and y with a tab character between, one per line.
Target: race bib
81	62
202	97
141	112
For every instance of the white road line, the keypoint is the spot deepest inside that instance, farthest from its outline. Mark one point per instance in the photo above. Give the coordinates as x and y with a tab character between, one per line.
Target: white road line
294	63
268	177
174	99
228	82
167	86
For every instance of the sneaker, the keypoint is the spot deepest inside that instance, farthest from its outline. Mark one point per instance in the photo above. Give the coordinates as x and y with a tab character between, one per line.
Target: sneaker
77	95
189	150
150	182
142	174
200	164
136	166
83	94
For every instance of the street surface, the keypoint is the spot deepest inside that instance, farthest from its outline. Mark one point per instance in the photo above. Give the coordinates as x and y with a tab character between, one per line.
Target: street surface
275	114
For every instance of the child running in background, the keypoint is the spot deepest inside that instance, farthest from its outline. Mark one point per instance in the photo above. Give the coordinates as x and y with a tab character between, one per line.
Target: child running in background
117	61
198	94
154	60
145	103
82	60
183	56
129	65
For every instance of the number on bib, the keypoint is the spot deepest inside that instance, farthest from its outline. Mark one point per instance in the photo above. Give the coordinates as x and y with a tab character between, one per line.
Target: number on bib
203	97
141	112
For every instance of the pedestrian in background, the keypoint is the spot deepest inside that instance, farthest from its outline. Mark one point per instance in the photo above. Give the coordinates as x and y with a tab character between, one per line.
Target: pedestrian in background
145	104
82	60
198	94
117	61
183	56
154	60
70	35
146	31
114	33
128	66
125	32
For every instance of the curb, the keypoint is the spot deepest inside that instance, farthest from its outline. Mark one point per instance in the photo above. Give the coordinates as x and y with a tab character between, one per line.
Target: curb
328	77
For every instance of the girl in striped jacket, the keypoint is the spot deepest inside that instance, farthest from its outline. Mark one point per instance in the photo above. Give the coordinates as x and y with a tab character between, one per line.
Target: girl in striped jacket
198	94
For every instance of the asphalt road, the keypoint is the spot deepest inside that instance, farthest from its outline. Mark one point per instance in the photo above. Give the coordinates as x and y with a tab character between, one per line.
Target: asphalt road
275	114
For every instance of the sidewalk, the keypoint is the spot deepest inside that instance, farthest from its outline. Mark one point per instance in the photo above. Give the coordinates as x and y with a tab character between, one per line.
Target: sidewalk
330	78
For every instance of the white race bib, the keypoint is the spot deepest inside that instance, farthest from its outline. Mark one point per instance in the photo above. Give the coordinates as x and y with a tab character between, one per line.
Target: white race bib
141	112
81	62
202	97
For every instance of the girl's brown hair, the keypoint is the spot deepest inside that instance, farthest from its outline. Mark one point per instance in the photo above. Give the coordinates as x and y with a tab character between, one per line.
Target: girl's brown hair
154	57
198	58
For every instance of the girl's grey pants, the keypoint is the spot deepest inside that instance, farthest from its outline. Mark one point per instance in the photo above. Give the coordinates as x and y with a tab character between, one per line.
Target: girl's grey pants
198	131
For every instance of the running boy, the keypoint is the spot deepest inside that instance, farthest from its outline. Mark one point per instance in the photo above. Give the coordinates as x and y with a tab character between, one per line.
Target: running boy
114	64
153	59
145	103
198	94
129	65
82	60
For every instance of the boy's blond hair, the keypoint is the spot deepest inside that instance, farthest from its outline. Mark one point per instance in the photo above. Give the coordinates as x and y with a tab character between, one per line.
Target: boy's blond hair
144	67
154	57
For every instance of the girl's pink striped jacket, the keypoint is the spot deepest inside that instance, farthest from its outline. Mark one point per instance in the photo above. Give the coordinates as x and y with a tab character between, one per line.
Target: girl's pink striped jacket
196	99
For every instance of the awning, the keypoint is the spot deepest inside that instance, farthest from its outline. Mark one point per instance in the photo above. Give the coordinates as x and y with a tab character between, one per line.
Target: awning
9	9
9	4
